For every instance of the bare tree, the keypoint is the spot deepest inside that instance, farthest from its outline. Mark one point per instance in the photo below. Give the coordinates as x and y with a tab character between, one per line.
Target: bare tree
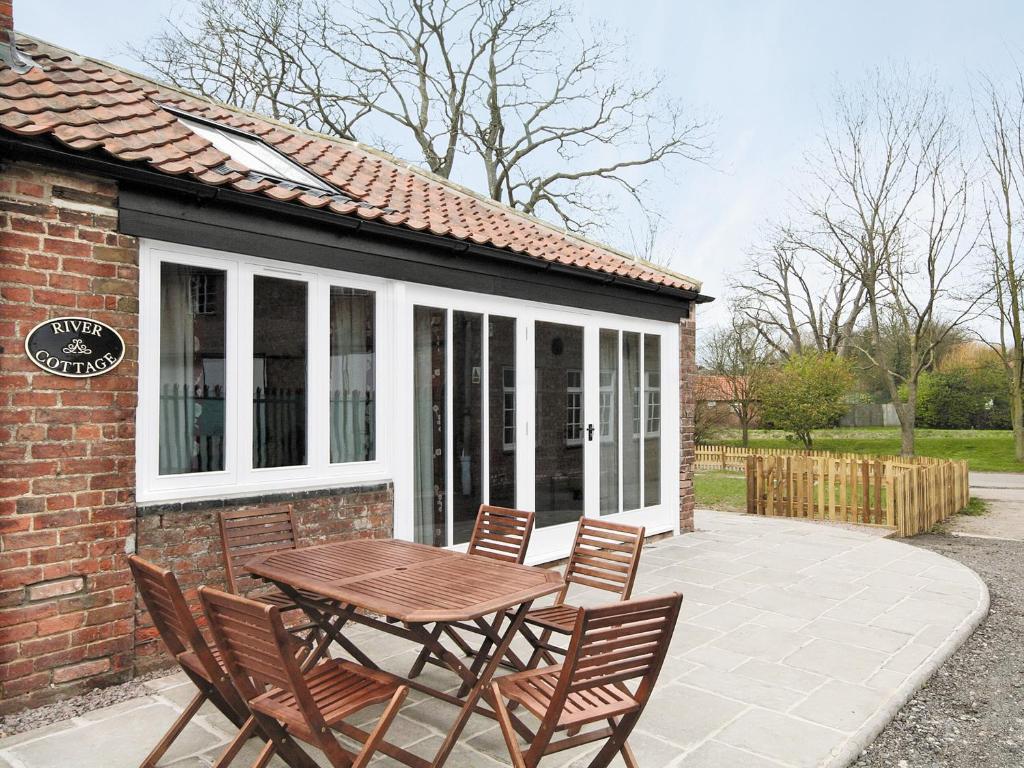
651	238
740	357
553	121
893	199
796	297
999	117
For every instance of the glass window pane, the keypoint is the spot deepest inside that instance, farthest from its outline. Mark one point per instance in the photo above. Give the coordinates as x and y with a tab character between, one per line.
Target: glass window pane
608	421
501	379
353	402
429	425
193	308
278	372
558	374
251	152
631	423
652	419
467	413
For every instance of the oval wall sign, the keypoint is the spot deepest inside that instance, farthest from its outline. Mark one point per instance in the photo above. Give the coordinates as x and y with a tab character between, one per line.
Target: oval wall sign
75	346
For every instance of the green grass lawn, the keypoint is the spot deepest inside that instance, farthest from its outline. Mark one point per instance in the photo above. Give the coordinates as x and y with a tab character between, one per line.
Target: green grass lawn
720	490
986	450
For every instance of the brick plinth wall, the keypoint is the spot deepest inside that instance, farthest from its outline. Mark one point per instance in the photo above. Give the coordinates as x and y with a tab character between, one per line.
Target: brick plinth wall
186	539
687	404
67	445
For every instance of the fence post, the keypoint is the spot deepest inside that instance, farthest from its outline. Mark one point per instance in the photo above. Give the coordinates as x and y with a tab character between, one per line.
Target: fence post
751	484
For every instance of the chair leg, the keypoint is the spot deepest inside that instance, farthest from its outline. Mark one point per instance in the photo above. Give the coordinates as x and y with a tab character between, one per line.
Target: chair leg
284	744
265	755
617	742
236	744
377	734
175	730
627	756
505	721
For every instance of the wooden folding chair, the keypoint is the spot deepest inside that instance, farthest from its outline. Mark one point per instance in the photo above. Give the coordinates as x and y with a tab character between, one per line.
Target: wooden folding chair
499	533
611	646
604	556
247	533
185	642
287	701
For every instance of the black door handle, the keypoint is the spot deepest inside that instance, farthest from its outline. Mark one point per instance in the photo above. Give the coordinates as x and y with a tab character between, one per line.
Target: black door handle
590	432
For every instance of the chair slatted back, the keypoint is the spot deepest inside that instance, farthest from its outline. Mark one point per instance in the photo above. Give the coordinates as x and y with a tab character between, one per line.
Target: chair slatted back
167	607
250	532
604	556
501	533
253	642
621	642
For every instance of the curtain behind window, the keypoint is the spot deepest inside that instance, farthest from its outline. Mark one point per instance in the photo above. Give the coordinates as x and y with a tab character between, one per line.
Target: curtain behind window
353	407
191	369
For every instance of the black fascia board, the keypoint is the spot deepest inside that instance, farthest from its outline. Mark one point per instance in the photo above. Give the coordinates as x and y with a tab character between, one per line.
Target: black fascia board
177	209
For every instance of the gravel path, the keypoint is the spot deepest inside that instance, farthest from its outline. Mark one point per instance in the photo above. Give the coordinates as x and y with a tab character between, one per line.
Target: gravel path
971	713
31	719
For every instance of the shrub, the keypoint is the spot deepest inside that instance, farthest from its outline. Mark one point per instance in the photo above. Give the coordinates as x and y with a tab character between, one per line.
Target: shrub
808	392
964	398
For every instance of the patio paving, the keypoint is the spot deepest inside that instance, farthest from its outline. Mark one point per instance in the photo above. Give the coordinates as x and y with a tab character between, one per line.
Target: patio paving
797	643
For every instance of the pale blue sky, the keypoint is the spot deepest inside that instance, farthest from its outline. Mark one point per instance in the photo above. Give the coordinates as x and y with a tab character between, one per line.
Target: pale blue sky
763	70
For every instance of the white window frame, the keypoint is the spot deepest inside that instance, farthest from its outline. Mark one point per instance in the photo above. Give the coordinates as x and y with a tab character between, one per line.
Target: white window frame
574	408
605	419
649	409
239	478
506	392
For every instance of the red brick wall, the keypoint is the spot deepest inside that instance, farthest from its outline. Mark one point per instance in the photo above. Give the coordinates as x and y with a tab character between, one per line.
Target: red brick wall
67	445
186	539
687	383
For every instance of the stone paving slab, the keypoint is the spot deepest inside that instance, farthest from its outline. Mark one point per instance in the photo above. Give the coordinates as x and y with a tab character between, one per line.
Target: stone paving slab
797	643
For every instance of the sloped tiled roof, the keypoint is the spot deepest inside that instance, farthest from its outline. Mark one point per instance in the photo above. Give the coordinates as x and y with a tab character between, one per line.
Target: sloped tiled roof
89	105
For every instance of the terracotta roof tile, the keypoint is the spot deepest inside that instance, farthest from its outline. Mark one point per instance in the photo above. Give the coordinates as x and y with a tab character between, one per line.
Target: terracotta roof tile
90	106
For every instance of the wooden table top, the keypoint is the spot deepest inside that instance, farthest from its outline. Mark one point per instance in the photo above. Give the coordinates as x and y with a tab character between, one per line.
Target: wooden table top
414	583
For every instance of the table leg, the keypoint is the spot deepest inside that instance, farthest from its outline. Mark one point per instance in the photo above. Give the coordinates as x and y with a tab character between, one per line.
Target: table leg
318	614
481	685
424	655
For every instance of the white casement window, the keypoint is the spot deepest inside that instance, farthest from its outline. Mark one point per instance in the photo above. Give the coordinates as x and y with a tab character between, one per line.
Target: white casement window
256	376
638	414
203	290
653	427
508	408
573	407
606	408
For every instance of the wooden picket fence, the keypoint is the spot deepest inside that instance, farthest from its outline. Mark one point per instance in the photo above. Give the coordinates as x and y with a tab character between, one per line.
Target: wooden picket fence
734	457
908	494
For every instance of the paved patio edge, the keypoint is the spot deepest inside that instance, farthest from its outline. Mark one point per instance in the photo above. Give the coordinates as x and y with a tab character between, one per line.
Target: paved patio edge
860	740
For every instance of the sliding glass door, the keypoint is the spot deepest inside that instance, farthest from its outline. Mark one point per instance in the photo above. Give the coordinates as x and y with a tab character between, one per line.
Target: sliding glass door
552	411
629	421
464	420
560	416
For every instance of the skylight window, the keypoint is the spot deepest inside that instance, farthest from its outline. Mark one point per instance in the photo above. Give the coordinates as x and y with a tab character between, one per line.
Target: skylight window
253	153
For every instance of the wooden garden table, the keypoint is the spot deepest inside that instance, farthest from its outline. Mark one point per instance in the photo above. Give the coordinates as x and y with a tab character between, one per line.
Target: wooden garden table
418	589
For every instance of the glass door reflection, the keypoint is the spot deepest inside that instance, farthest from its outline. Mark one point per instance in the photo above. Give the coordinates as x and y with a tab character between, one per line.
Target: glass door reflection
467	415
560	427
464	414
